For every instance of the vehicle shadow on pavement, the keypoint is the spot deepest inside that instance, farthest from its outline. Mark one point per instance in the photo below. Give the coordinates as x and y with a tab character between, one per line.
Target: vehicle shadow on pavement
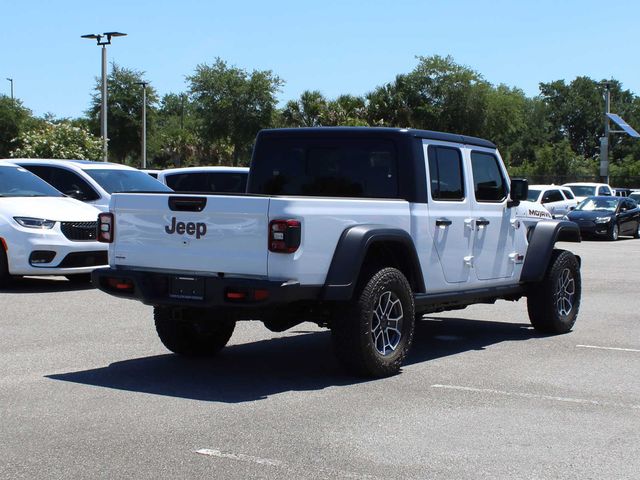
44	285
254	371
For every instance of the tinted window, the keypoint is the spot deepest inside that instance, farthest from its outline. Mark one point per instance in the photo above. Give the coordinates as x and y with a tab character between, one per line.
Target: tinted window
488	181
66	181
635	196
326	167
17	182
582	190
533	195
215	182
117	180
445	172
568	194
552	196
604	191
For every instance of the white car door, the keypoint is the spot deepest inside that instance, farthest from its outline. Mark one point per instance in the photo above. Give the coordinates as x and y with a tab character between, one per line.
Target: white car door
554	202
450	212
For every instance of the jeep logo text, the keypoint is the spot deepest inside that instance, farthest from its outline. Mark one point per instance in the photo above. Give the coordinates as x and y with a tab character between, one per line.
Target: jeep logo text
198	229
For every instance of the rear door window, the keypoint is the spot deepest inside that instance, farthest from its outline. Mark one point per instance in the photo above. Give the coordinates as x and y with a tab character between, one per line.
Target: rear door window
568	194
445	173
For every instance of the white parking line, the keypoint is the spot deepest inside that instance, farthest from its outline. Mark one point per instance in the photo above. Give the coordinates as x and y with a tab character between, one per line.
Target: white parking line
610	348
536	396
210	452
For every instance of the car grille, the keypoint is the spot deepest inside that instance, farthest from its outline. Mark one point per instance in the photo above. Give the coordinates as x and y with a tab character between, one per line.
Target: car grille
79	231
84	259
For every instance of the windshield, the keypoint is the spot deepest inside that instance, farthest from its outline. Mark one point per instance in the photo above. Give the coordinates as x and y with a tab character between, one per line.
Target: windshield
598	205
533	195
18	182
635	196
582	190
117	180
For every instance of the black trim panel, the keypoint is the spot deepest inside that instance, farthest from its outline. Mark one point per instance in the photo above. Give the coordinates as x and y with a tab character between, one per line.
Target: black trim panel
153	288
466	297
350	253
543	238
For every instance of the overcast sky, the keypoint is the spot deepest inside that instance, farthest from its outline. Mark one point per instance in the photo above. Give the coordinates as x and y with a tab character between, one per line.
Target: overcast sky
333	46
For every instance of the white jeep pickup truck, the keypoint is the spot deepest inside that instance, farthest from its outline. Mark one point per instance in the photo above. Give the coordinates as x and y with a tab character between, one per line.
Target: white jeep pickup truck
361	230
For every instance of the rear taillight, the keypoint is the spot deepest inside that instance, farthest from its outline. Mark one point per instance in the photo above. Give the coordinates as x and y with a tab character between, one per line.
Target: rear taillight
105	227
284	236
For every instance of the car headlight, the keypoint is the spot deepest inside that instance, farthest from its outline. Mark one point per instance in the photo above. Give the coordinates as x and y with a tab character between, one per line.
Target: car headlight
35	222
603	219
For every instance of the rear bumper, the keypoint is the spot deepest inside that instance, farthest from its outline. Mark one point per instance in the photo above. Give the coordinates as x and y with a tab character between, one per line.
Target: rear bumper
155	288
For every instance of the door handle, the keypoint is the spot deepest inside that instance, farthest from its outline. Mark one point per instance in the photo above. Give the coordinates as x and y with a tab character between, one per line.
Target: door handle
443	222
482	222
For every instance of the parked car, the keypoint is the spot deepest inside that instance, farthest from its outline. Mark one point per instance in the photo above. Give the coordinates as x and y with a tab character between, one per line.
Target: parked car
607	217
42	232
582	190
91	182
206	179
556	199
635	196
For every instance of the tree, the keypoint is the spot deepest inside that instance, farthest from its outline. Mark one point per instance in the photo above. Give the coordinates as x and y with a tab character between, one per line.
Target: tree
61	140
14	118
309	111
124	112
232	105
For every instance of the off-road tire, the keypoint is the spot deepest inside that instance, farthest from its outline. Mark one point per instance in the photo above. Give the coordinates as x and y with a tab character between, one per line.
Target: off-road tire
614	233
554	302
383	302
5	278
192	333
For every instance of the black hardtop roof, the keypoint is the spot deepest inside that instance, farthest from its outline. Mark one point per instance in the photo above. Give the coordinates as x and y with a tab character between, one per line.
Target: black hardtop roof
376	132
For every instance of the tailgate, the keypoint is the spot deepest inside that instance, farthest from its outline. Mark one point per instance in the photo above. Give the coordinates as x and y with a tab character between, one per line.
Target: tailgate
191	233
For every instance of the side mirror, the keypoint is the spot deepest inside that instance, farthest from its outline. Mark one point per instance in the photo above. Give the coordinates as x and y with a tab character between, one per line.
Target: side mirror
572	207
519	191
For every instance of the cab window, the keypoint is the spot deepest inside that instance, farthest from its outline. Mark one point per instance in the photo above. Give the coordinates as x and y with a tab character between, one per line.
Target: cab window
488	181
568	194
445	172
604	191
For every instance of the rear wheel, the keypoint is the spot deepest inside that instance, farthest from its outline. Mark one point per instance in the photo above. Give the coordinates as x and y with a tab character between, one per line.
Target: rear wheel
188	332
554	302
373	335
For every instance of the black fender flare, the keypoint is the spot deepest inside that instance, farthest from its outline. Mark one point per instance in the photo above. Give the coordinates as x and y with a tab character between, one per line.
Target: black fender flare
542	240
351	250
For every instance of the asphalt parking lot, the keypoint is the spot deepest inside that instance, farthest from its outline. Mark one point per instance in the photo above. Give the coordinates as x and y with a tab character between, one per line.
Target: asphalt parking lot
88	391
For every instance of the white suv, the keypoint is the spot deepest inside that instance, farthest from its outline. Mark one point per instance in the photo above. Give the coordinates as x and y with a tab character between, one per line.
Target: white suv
556	199
582	190
42	232
91	182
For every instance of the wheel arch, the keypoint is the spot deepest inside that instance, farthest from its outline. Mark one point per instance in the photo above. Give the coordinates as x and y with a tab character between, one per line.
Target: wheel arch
542	241
378	245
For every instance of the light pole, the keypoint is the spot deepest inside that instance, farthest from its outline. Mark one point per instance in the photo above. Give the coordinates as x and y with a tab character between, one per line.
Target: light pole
144	123
103	40
11	80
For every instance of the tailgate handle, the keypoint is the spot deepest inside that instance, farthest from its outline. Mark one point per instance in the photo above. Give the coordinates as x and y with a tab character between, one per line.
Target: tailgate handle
187	204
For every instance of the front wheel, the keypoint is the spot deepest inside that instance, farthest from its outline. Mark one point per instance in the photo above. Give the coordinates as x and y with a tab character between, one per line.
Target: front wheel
553	303
637	232
187	333
373	335
614	232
